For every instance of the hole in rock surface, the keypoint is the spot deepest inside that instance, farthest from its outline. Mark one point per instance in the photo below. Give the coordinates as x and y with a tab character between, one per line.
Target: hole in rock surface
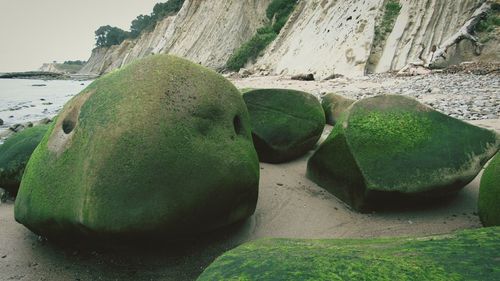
68	125
238	126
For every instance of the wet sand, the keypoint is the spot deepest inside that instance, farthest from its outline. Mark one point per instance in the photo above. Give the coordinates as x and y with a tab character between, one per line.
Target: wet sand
289	205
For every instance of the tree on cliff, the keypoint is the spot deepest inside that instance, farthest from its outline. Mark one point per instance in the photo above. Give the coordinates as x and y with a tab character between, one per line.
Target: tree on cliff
166	9
141	23
109	35
160	11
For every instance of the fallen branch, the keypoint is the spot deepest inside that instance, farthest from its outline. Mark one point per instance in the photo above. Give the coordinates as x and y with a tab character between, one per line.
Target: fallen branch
466	32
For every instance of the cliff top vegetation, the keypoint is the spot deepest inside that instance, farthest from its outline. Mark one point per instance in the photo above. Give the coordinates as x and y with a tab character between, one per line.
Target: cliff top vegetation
107	35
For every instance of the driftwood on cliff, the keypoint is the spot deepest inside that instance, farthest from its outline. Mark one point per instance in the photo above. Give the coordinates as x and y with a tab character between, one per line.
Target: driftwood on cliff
467	31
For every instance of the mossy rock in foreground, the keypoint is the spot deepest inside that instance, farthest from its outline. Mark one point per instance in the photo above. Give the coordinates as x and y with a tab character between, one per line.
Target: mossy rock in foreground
470	255
334	106
15	153
161	148
391	149
489	194
285	123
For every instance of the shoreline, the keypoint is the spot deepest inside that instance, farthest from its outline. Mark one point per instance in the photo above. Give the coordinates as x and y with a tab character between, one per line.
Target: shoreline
47	76
289	204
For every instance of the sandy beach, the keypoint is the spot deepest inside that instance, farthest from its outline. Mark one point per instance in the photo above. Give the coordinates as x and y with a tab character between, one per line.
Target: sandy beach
289	205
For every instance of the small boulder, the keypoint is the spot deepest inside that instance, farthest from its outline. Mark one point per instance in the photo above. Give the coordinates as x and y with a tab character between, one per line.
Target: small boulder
334	105
389	148
3	195
489	194
16	128
285	123
303	77
244	73
15	153
43	121
161	148
333	76
1	122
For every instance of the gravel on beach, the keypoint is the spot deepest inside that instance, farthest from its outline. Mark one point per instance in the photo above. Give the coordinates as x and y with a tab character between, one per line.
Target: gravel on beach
462	95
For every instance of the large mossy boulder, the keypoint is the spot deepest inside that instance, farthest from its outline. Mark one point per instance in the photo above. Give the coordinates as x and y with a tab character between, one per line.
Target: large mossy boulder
14	155
285	123
334	106
470	255
489	194
390	148
161	148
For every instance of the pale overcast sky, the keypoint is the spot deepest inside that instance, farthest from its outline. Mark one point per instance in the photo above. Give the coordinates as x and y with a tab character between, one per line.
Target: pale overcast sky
36	31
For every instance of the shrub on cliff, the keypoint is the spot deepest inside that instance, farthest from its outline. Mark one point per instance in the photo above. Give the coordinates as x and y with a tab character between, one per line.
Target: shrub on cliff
391	13
277	12
250	50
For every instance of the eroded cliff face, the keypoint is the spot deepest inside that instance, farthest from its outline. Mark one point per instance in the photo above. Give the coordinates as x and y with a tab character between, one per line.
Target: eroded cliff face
336	37
204	31
323	37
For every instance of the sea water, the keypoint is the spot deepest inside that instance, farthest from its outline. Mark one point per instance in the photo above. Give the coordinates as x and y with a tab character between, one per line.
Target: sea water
24	100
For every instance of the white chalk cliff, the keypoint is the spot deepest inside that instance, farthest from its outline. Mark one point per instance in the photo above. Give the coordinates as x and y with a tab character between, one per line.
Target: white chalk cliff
323	37
204	31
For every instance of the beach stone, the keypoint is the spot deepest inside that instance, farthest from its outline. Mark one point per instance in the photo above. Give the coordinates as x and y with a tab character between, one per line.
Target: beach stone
489	194
14	155
45	120
303	77
243	72
161	148
17	128
3	195
465	255
285	123
390	148
334	105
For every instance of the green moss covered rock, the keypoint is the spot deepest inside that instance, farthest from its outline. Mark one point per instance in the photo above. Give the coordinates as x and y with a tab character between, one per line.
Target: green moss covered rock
15	153
159	148
489	194
334	106
470	255
285	123
390	148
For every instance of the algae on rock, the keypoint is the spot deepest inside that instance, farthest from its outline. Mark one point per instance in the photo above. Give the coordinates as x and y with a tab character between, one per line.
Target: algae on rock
15	153
160	148
388	148
285	123
470	255
489	194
